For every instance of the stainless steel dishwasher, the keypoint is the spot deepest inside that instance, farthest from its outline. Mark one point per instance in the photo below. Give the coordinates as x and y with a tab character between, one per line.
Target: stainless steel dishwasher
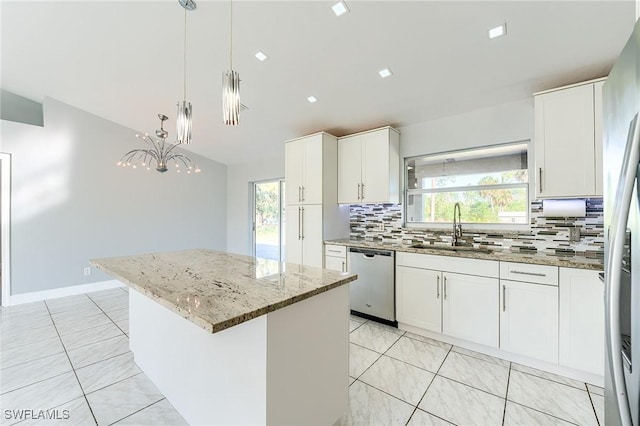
373	293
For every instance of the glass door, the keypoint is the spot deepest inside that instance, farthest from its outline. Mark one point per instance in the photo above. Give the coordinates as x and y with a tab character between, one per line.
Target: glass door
268	219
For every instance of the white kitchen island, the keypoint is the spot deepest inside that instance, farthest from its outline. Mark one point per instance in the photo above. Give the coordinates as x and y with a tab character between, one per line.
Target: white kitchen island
232	339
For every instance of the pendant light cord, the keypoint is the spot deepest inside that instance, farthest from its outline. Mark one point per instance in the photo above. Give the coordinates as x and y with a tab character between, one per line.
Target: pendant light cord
185	55
231	35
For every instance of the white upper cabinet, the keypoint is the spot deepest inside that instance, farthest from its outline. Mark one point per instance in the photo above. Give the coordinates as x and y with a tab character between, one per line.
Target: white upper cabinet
303	170
369	167
597	126
568	141
349	169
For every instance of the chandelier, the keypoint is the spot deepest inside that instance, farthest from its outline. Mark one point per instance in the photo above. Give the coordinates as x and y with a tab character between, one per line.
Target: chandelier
231	84
160	151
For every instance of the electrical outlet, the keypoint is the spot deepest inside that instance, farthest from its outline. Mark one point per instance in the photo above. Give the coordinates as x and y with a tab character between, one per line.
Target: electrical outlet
87	271
574	234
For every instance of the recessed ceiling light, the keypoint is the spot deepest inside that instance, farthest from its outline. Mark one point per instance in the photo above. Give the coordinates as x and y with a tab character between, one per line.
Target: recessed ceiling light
340	8
312	99
498	31
385	73
261	56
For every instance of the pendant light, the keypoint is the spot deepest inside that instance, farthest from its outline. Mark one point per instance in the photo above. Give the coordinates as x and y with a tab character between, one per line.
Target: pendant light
184	121
231	84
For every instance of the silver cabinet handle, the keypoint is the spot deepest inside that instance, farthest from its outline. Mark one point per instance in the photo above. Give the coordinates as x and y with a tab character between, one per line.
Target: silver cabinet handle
344	264
535	274
302	223
362	191
445	288
620	216
504	298
334	251
438	287
540	178
299	223
359	192
302	193
299	193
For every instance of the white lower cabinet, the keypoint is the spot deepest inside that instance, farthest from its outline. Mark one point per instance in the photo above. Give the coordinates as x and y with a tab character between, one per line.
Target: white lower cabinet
335	258
541	312
470	308
431	297
582	320
529	319
418	298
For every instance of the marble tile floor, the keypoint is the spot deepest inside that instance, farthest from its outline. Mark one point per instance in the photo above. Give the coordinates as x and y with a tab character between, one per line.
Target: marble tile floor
71	356
400	378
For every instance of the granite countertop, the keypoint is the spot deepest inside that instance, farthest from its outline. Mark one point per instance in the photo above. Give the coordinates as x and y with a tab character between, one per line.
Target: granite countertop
217	290
504	255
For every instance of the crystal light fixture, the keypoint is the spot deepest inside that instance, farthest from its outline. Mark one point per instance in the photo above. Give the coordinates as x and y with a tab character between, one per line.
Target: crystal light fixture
231	84
160	151
183	124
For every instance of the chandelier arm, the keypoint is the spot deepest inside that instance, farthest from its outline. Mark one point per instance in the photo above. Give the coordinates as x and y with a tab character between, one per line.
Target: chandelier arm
185	160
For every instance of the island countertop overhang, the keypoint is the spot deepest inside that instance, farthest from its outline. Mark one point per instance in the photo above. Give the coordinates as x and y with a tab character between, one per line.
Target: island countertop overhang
217	290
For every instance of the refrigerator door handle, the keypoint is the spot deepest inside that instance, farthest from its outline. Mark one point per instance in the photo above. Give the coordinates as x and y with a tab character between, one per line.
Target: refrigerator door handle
620	216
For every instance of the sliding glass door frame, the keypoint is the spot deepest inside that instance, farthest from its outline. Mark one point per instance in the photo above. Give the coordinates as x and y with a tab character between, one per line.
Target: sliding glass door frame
281	216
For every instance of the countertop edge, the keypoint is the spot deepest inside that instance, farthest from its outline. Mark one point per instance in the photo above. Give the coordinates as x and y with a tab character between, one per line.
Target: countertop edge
492	255
228	323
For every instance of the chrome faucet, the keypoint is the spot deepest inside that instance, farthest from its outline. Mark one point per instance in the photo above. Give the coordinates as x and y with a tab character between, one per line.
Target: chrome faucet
457	225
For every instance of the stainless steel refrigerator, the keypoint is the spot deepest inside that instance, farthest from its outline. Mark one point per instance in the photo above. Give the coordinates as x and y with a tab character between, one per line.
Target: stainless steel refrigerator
621	146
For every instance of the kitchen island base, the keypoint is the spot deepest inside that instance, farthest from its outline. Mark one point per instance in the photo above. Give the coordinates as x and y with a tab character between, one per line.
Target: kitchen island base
290	366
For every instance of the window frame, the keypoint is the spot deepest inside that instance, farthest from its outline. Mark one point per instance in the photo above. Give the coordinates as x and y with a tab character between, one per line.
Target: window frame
468	225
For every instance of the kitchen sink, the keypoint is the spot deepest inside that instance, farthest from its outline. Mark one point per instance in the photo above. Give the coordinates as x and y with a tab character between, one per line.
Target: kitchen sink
482	249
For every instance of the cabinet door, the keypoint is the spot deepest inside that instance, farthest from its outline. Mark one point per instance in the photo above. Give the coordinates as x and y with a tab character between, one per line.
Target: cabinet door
470	308
293	172
564	143
293	234
597	131
349	169
582	320
375	167
529	319
312	243
419	298
335	263
312	170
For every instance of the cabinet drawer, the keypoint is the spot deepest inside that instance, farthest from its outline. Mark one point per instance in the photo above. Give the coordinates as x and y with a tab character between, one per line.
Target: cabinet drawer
539	274
461	265
335	250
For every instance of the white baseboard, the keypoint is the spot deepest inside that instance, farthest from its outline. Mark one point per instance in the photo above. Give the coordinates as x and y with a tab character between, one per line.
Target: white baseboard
571	373
36	296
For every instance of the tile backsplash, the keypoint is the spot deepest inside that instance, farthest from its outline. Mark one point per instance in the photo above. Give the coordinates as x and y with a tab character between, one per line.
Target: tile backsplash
549	235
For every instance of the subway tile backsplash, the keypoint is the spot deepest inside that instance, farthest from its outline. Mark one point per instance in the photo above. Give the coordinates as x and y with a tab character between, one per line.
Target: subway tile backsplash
548	235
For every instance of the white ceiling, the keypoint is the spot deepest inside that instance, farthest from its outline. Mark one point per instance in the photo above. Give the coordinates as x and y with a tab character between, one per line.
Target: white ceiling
122	60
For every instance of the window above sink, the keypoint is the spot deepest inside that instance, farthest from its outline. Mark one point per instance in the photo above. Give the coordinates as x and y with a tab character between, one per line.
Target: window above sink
491	184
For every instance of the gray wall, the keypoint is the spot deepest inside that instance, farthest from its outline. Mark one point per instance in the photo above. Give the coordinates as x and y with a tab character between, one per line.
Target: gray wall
504	123
71	203
239	177
19	109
